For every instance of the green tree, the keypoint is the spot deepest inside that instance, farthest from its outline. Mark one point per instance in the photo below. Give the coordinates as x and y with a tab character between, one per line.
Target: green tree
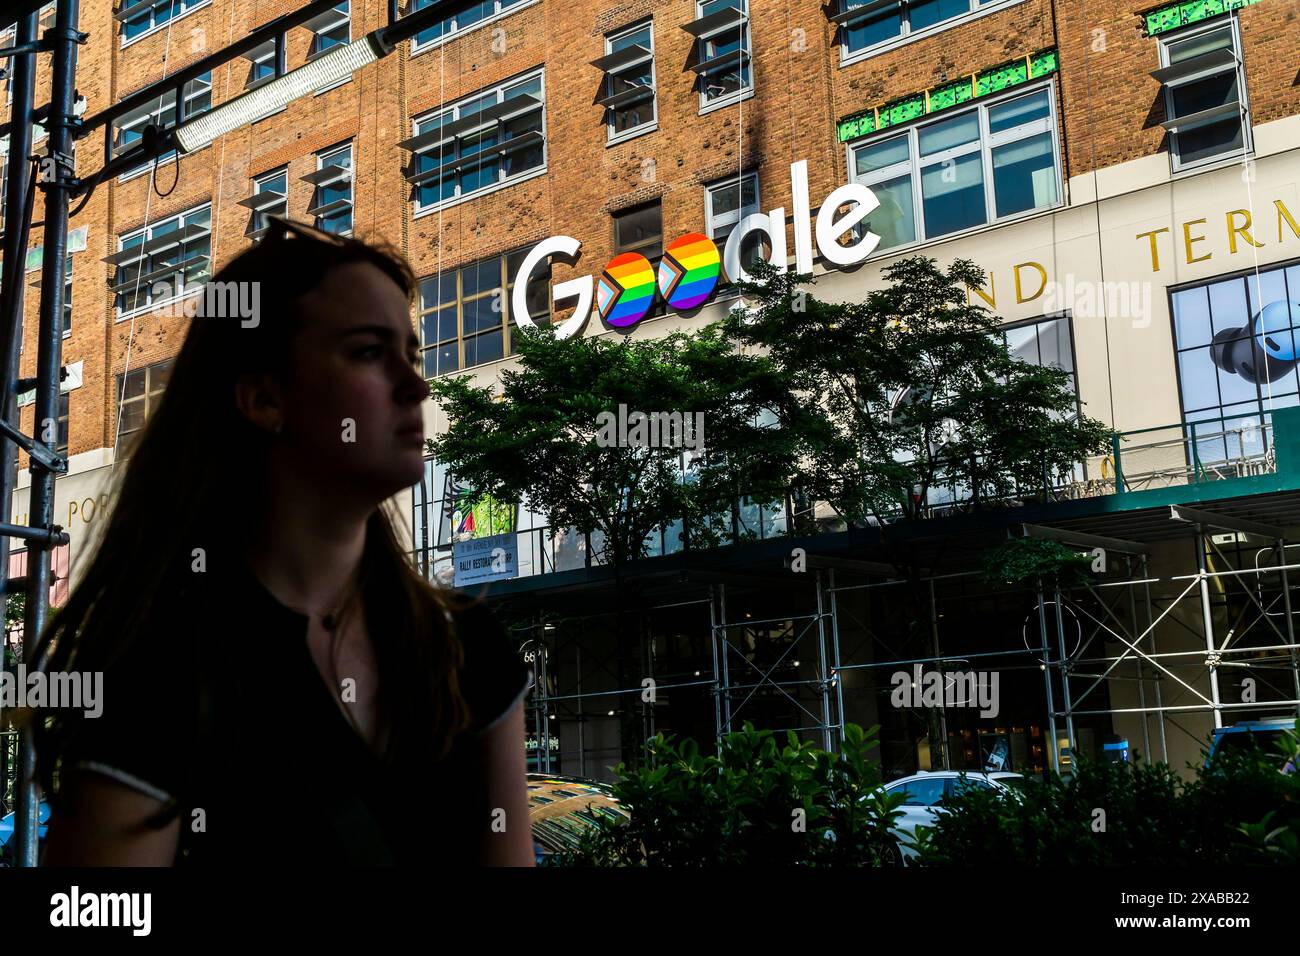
544	434
908	393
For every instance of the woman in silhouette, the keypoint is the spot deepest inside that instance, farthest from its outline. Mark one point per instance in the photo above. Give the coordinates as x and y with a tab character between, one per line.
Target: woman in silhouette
280	684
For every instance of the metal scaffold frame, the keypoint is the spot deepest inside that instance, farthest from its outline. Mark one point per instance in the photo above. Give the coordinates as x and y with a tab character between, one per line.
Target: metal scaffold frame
1131	619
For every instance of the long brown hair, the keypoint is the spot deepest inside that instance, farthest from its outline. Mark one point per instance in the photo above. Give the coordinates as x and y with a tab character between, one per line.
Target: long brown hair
191	481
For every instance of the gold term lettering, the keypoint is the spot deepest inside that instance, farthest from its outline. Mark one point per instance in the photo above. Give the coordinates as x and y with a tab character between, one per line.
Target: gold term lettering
1237	224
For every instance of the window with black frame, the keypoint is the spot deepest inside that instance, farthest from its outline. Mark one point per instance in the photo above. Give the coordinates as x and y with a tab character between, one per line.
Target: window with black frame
629	85
139	391
478	144
465	317
867	24
129	128
1235	340
162	261
1204	95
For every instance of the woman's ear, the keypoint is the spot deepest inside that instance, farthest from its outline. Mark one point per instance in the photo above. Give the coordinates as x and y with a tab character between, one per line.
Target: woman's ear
258	398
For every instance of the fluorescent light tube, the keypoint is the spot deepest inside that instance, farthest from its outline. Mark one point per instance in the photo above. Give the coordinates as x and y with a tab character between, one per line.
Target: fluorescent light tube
265	100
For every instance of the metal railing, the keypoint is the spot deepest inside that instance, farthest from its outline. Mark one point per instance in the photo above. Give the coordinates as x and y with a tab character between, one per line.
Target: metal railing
1166	456
1233	446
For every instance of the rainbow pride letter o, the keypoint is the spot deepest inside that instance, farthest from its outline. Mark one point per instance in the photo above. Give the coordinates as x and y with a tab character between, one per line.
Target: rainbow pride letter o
625	290
688	272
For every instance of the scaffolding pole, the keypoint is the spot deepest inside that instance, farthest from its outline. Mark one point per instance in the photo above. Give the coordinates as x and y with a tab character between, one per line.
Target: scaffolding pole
57	178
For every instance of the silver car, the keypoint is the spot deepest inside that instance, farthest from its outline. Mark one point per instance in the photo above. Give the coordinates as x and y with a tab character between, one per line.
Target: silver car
923	791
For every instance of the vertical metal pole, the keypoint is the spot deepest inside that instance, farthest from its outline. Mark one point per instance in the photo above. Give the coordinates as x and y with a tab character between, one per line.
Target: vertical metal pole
648	641
1155	677
1286	610
1047	681
582	718
17	228
822	669
943	692
545	714
726	663
64	56
1208	621
1065	677
1142	681
717	677
835	657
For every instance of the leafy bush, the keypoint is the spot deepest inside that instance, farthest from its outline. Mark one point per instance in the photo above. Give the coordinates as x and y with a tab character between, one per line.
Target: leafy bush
755	803
1124	814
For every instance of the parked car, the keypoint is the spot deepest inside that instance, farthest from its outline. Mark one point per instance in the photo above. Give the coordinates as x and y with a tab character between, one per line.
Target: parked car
923	792
561	808
1265	733
7	832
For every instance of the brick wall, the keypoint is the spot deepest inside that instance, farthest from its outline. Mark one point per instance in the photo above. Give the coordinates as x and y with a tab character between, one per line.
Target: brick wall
1110	104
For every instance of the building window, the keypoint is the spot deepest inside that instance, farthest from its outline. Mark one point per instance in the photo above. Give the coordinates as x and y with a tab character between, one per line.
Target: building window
629	67
462	20
162	113
270	198
464	313
263	64
67	295
721	59
61	442
640	230
140	393
162	261
330	29
1043	342
332	203
1236	346
869	23
725	204
480	143
1205	100
140	16
993	162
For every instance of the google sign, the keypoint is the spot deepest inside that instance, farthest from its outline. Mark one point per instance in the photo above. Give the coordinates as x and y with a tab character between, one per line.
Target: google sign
688	271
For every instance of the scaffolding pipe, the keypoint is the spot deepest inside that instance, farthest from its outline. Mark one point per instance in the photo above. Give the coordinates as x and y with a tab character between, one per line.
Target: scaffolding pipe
59	178
1286	610
943	710
1208	621
1146	588
835	645
1256	705
823	670
1065	673
1047	681
1142	684
17	186
726	660
714	631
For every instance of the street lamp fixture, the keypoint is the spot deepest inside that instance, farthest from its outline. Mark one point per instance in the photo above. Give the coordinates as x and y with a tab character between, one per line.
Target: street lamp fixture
332	67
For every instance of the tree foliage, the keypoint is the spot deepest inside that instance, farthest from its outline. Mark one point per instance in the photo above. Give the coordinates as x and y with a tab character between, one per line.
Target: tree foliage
755	803
538	434
910	391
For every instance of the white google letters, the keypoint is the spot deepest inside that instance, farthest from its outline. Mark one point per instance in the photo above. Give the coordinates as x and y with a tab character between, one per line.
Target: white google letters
829	229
